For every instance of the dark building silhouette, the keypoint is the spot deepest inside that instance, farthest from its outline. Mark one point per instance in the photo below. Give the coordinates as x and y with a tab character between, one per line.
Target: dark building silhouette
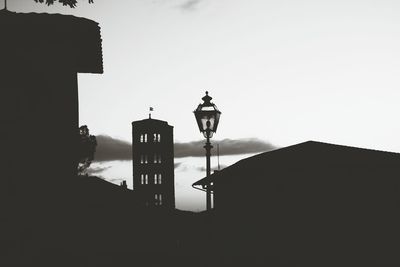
311	204
41	55
48	216
153	163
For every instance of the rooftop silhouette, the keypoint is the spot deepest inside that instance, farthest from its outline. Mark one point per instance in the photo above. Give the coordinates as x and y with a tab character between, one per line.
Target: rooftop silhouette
310	203
41	55
313	204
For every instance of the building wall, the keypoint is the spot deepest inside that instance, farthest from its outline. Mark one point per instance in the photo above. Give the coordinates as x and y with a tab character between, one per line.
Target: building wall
153	163
317	213
39	99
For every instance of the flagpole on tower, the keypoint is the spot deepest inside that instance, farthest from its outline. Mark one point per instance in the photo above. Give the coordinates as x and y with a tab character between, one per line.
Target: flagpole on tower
150	110
5	4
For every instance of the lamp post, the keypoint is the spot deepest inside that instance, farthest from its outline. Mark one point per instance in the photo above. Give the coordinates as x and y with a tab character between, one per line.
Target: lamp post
207	117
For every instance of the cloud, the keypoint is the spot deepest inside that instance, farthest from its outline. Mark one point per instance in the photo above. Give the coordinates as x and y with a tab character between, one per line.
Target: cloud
177	164
96	170
190	5
109	148
226	147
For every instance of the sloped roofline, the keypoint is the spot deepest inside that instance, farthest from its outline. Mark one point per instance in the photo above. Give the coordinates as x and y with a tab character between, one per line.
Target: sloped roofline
152	121
220	173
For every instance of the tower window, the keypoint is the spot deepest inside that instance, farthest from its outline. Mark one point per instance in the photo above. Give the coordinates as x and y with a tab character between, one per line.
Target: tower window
157	178
143	159
156	138
142	179
143	138
158	199
146	178
157	158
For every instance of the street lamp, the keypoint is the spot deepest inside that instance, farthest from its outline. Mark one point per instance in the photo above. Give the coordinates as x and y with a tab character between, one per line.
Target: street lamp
207	117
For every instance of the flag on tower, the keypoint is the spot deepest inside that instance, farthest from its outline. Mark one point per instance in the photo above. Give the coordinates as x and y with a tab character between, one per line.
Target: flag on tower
150	110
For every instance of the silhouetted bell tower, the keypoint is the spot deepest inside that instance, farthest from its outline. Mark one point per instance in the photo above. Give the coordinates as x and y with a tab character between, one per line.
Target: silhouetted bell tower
153	163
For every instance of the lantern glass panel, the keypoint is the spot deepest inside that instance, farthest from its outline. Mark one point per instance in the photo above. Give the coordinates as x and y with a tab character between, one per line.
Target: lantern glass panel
207	113
209	116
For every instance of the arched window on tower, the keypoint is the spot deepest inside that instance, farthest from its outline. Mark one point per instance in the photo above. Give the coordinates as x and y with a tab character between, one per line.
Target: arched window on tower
157	178
143	159
156	138
158	199
157	158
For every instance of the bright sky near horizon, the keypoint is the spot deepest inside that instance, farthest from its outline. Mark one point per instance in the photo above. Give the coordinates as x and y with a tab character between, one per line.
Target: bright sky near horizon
283	71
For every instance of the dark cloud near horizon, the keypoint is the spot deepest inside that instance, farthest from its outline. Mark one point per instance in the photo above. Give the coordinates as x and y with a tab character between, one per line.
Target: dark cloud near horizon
95	170
110	149
226	147
177	164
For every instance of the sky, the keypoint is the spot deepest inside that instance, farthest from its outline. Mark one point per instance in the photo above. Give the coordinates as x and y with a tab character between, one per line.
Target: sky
281	72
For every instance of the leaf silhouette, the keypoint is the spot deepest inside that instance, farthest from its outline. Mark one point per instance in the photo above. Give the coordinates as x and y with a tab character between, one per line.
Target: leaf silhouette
70	3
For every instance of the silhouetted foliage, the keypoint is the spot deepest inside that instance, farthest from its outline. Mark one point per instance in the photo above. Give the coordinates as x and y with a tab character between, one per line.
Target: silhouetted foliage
70	3
86	149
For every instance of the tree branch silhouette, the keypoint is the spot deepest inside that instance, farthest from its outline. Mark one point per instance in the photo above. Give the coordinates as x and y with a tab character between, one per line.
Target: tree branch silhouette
70	3
86	149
